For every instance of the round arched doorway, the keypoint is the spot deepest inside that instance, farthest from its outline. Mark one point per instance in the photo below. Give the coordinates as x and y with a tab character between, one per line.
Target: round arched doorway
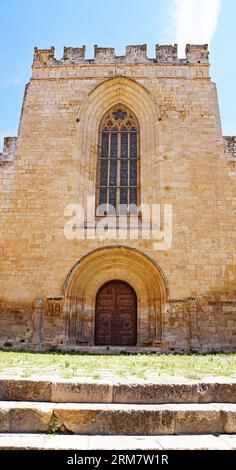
116	315
120	263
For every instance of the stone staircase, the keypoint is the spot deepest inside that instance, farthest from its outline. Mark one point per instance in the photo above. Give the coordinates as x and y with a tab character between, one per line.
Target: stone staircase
70	415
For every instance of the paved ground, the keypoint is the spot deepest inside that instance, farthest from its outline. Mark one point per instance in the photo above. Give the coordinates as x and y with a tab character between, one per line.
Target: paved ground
110	367
65	442
109	377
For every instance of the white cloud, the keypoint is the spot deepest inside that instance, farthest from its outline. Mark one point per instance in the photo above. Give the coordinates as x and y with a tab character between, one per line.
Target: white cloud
193	21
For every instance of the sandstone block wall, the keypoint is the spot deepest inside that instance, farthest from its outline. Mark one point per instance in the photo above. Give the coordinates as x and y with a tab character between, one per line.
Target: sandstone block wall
185	162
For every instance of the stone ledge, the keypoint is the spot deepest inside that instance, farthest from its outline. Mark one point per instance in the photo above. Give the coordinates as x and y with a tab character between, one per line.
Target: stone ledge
56	442
115	392
117	419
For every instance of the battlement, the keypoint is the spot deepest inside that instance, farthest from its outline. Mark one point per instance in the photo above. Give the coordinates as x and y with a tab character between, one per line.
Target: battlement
104	55
135	54
230	145
197	54
9	149
44	56
74	54
166	53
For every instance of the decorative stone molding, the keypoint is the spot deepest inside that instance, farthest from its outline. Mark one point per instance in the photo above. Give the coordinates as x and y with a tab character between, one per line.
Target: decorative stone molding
177	309
54	306
183	314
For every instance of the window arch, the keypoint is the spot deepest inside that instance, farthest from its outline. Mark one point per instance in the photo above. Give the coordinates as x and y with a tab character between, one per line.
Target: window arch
118	179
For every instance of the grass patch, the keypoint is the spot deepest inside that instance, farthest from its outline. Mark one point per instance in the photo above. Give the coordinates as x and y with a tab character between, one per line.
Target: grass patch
195	366
96	376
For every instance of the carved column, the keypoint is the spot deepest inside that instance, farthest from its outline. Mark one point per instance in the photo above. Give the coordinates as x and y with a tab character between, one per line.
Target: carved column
79	321
158	321
37	335
72	317
193	323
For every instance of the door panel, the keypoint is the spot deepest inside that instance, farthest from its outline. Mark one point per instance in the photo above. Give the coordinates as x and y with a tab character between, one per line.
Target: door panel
116	315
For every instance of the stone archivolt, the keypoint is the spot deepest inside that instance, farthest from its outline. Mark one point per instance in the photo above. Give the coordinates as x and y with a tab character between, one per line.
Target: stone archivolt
134	96
115	263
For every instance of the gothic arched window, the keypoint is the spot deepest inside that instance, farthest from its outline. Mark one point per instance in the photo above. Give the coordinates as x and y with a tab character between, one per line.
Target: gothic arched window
118	163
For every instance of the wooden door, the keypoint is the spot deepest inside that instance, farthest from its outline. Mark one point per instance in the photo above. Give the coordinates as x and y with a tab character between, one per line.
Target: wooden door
116	315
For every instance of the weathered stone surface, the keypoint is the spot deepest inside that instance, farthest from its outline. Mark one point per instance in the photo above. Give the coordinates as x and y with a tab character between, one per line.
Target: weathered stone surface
112	392
116	419
28	390
155	393
229	418
193	419
3	389
217	392
63	392
26	417
5	419
81	419
142	422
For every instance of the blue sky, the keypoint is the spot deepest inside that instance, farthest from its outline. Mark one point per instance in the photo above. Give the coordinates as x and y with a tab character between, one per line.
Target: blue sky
25	24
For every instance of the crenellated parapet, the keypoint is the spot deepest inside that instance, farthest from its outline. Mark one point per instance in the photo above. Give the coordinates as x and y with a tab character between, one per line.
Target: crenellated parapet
9	150
230	145
135	54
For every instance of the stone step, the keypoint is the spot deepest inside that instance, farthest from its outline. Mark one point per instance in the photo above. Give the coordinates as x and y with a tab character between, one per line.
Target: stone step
92	392
117	419
65	442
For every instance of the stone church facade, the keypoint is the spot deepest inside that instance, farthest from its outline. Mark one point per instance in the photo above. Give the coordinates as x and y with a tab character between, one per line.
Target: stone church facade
95	134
